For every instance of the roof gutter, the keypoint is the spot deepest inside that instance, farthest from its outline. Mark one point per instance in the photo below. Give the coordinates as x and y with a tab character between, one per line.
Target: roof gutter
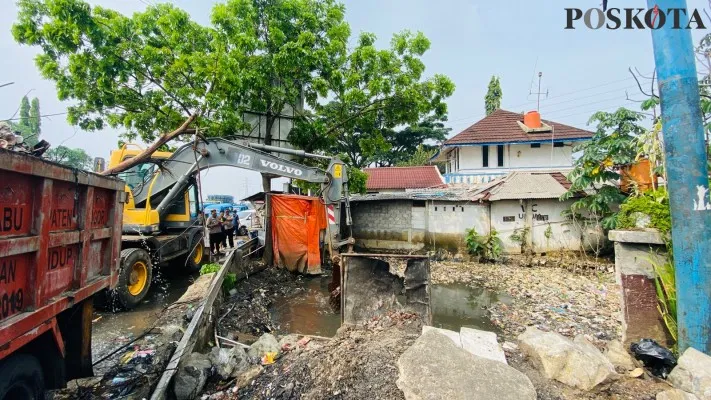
542	141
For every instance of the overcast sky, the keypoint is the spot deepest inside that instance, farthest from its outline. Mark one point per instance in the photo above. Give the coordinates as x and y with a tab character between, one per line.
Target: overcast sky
583	70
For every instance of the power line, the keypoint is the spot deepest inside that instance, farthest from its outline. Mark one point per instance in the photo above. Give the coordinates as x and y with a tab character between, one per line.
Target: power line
41	116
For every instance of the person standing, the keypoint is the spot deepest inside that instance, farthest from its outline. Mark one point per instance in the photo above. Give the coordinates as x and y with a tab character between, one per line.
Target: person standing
215	227
229	229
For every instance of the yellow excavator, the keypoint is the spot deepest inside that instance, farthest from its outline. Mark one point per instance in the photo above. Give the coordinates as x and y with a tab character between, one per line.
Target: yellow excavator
160	219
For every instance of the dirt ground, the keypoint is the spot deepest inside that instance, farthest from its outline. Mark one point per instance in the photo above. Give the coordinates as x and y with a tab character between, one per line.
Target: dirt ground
359	363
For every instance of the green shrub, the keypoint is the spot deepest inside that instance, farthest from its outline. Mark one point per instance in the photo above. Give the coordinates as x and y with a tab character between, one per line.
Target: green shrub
654	203
229	282
488	247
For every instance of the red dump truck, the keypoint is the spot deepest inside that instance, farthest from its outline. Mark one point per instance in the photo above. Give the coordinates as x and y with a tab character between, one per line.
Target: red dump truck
60	244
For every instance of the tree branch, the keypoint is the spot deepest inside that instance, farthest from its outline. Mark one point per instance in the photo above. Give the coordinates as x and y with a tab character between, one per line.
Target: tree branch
639	85
146	154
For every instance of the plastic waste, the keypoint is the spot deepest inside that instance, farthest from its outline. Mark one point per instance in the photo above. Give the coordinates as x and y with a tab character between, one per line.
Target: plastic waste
657	359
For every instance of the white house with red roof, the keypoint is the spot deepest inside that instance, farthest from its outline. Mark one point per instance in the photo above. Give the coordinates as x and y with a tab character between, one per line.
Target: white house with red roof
401	179
505	142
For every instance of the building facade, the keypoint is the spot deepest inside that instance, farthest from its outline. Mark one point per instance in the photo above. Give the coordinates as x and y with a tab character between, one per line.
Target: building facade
505	142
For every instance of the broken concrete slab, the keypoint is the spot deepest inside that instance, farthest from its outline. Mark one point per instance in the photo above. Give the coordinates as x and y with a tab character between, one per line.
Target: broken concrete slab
618	356
578	364
693	374
482	344
454	336
675	394
435	368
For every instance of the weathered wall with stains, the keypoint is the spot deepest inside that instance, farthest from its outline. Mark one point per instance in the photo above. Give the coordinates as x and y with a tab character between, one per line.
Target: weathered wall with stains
547	230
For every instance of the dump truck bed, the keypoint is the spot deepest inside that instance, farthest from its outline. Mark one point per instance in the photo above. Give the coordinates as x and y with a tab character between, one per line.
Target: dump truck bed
60	243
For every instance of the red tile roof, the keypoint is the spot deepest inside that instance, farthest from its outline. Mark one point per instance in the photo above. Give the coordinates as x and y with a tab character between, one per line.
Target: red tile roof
501	127
404	178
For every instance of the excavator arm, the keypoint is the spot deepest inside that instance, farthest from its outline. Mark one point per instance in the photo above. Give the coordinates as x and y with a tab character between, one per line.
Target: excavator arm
176	173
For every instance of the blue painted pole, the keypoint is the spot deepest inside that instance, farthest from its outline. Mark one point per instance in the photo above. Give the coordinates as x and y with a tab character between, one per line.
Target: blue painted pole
687	174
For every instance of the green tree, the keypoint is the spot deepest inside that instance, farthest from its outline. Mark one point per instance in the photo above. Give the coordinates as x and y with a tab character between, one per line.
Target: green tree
140	73
25	112
420	157
372	92
613	145
492	101
75	158
426	134
35	121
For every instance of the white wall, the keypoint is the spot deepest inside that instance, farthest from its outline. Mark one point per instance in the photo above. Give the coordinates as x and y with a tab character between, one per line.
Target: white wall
544	213
455	218
516	156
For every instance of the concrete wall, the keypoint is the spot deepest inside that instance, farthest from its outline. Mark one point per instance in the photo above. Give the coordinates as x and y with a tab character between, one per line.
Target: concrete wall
635	251
509	216
413	225
516	157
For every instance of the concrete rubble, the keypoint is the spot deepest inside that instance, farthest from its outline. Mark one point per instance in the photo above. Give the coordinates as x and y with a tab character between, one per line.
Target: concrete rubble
479	343
228	363
267	343
434	367
192	376
575	363
619	357
693	374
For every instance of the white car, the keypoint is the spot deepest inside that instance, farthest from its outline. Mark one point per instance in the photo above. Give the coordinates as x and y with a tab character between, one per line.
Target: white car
245	220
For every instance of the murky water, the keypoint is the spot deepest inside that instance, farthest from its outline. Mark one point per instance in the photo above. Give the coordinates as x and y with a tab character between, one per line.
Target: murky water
112	329
453	306
456	305
307	312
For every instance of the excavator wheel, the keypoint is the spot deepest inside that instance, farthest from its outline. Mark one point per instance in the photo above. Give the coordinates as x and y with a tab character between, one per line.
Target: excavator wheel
194	260
135	274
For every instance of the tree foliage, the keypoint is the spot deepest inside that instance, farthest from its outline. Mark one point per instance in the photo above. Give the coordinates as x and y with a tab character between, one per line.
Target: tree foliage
25	112
613	145
35	121
420	157
75	158
371	93
405	143
492	101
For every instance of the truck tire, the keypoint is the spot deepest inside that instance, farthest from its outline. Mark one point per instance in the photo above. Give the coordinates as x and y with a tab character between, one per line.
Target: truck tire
135	274
242	231
194	260
21	378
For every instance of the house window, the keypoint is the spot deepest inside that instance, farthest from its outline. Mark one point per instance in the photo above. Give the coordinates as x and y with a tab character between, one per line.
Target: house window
535	145
500	155
558	144
485	156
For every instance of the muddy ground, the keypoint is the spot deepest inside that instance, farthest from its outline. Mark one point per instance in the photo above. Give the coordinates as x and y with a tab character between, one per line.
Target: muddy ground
567	296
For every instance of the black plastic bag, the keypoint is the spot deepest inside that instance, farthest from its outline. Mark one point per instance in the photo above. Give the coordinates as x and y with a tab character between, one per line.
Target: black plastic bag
658	360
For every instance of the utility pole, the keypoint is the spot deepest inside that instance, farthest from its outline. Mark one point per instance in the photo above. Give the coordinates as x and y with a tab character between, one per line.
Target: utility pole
687	174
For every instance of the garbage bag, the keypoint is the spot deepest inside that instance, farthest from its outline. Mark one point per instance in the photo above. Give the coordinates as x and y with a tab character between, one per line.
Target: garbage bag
657	359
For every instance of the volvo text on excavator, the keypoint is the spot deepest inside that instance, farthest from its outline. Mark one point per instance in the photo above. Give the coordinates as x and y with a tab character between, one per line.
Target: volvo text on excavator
160	219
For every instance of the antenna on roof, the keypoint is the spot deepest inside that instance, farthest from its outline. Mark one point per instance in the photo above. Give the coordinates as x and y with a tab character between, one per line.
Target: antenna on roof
539	93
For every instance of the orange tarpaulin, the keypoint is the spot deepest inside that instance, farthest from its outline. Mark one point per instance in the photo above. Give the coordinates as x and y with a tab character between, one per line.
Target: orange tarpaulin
296	224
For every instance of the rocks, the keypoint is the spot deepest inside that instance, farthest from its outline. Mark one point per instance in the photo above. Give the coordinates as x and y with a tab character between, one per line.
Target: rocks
459	257
509	346
619	357
228	363
436	368
266	344
482	344
479	343
675	394
288	342
693	373
578	364
191	377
